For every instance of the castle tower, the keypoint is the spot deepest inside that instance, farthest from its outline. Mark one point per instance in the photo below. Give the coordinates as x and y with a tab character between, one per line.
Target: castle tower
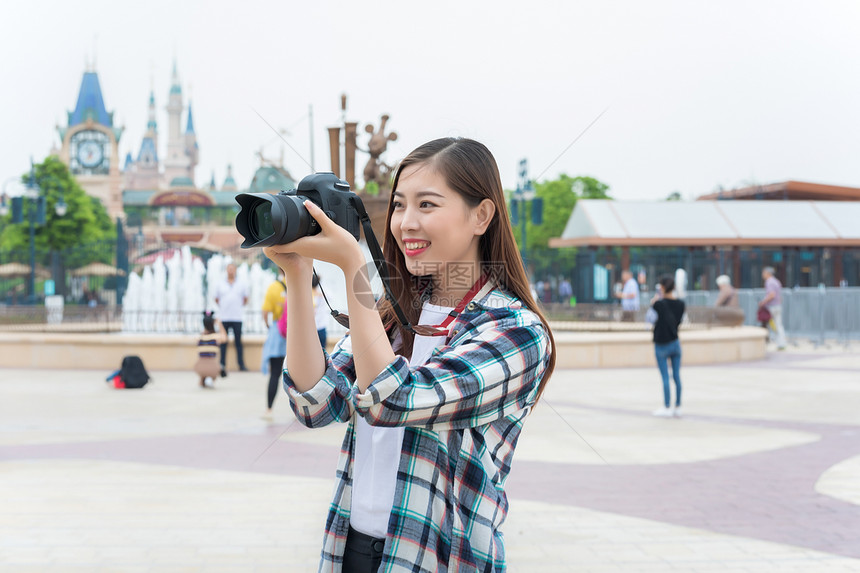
229	182
176	164
191	148
152	125
146	166
90	145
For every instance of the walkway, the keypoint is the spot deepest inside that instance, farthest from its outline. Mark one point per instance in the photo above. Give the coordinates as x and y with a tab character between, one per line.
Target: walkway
762	474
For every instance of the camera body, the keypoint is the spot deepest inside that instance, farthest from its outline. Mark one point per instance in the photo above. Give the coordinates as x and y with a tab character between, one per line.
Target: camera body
265	219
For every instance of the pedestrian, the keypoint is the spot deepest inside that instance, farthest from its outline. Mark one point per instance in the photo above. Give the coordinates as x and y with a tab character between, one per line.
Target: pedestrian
728	296
320	311
667	346
275	347
433	412
629	295
207	366
727	308
772	301
231	297
565	291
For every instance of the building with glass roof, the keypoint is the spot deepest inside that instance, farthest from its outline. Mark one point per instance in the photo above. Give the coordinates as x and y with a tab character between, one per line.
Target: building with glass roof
807	242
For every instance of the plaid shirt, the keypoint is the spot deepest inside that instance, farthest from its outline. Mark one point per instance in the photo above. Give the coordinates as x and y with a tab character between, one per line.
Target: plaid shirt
463	411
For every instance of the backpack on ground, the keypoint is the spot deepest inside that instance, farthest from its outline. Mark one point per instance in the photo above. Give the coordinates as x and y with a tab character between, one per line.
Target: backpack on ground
132	373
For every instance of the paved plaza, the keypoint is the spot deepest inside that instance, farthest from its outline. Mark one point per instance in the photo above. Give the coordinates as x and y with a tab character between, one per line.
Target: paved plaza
762	474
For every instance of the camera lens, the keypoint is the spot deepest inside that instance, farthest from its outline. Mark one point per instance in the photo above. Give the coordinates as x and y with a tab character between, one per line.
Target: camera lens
266	219
261	221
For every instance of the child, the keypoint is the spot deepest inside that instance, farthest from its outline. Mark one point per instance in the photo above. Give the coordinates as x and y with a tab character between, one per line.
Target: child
434	407
207	366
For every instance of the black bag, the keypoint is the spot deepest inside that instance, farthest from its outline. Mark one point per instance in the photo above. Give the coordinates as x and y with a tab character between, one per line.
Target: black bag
132	372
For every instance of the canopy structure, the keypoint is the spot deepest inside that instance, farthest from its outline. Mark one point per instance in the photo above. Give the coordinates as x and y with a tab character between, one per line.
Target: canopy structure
597	222
20	270
97	270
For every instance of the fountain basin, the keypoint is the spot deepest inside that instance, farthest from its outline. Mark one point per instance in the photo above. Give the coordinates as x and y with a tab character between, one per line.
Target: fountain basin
179	351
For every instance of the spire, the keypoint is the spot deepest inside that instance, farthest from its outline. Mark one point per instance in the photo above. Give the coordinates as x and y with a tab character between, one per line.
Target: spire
90	104
212	181
189	128
175	87
229	182
151	125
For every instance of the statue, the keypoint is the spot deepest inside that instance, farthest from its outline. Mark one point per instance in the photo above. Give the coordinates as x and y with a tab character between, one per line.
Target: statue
376	171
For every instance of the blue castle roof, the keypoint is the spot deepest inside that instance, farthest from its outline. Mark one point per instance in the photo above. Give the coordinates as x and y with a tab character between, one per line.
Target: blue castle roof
90	104
147	146
189	128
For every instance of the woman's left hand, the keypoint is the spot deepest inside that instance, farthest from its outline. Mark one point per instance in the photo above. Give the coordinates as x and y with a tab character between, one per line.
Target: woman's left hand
332	244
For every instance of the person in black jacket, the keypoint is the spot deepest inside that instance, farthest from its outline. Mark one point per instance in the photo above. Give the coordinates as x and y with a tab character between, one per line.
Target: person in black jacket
667	347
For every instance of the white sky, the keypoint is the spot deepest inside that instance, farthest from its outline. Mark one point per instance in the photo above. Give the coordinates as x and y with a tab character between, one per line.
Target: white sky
698	94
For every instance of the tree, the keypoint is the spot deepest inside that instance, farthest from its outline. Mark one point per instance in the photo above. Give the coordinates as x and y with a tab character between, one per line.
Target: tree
674	196
85	220
559	199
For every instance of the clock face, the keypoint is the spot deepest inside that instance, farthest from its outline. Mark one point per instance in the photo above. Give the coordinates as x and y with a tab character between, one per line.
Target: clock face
90	153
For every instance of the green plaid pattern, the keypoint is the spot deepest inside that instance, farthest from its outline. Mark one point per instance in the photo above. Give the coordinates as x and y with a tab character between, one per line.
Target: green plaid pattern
463	411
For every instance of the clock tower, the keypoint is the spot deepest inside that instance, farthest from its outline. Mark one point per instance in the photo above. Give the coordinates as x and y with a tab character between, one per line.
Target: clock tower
90	146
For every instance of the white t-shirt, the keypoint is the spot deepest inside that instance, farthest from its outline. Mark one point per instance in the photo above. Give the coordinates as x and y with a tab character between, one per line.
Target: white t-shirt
377	449
630	287
321	311
231	301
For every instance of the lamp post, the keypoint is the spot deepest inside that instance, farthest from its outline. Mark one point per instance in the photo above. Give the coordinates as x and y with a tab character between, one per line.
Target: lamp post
524	194
33	193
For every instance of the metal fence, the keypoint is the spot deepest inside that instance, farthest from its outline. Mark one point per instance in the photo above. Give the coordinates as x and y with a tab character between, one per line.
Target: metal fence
72	318
816	314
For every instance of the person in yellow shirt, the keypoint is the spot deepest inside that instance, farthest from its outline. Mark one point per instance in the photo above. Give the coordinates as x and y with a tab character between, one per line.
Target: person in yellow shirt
275	347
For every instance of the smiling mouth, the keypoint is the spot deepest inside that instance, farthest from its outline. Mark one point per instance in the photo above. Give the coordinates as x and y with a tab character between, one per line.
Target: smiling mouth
413	248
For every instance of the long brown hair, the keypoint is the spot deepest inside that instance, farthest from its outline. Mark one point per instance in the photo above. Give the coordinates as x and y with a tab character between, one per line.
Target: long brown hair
468	168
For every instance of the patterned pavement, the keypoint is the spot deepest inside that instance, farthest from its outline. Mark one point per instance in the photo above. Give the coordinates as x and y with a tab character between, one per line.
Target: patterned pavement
762	474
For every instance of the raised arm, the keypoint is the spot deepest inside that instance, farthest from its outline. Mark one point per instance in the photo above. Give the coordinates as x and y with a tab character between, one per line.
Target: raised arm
305	358
370	347
492	369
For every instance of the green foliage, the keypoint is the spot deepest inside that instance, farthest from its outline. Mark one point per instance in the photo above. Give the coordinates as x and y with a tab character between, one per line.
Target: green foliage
372	188
559	199
85	221
674	196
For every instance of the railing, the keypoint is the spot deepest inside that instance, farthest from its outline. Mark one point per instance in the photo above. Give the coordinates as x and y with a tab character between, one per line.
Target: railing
808	313
39	318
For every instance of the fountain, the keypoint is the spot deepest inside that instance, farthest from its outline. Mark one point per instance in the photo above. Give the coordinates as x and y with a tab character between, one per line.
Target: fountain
171	295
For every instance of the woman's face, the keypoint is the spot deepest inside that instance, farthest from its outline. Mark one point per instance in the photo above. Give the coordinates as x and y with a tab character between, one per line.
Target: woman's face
436	230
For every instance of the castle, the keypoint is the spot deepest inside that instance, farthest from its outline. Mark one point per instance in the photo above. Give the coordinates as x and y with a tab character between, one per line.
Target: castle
158	189
183	152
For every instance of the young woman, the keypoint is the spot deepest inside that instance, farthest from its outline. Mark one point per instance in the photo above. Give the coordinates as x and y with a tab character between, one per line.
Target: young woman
667	347
433	418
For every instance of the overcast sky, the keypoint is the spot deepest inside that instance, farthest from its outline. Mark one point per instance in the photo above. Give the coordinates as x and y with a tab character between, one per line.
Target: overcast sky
698	94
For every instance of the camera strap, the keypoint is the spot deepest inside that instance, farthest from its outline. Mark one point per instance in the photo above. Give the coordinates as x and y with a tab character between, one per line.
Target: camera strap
379	261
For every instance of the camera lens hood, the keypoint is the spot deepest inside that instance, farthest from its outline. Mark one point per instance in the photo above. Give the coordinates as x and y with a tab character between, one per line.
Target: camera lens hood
265	219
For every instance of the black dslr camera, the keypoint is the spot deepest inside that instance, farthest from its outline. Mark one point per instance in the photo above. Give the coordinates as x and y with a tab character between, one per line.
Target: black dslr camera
266	219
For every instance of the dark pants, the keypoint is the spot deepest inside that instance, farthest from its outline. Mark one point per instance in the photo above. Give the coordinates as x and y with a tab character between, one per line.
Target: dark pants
363	553
323	334
236	327
276	370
